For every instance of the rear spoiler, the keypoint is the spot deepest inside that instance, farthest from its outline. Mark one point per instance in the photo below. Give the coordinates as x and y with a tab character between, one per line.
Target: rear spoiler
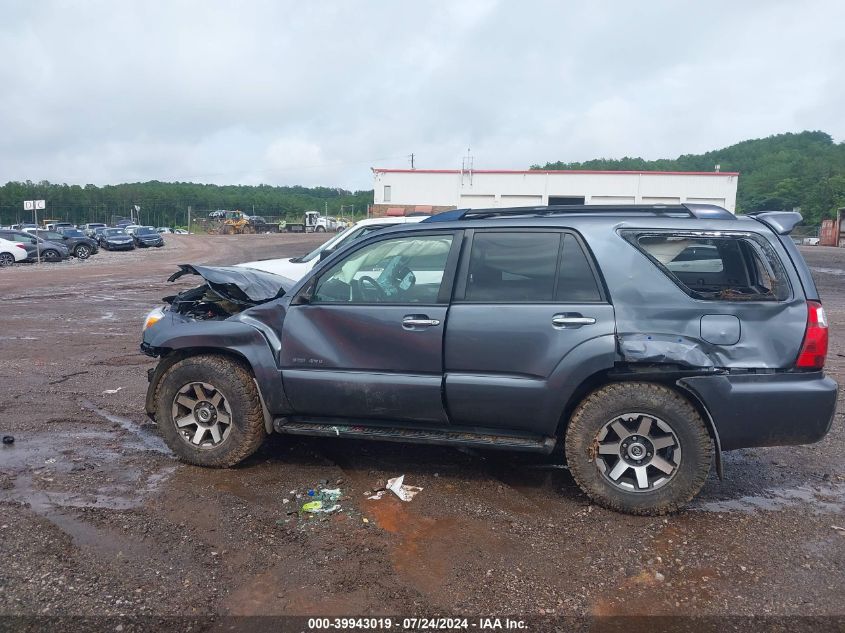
781	222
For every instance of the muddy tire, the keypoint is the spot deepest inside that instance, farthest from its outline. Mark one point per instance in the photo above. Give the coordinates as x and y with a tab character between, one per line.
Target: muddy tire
51	256
209	411
639	448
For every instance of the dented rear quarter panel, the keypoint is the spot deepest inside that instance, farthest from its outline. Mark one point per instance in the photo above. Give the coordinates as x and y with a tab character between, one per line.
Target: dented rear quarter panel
657	322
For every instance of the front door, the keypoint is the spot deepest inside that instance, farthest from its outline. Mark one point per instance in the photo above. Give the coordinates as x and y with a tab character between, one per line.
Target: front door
367	343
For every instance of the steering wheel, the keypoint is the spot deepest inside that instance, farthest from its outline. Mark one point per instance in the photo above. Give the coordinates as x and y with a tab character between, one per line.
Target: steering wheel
366	279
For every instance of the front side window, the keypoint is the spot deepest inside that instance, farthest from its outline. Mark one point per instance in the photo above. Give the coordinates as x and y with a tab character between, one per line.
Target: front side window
401	270
725	267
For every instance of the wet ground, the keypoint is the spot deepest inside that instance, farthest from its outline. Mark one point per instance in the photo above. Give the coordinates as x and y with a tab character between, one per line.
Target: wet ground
97	517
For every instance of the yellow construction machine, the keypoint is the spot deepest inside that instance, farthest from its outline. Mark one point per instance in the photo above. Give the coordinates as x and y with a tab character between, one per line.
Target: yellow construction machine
234	223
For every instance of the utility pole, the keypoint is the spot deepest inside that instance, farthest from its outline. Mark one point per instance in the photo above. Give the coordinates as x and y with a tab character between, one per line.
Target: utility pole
412	160
189	219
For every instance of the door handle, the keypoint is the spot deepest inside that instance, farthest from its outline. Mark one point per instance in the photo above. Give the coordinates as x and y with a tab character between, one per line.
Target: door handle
414	320
575	320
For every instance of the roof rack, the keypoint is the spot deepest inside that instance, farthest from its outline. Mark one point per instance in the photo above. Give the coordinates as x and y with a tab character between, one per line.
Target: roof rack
694	211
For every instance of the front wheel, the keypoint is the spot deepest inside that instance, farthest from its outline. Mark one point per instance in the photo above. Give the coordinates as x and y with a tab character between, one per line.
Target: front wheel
83	251
320	229
6	259
51	256
639	448
209	412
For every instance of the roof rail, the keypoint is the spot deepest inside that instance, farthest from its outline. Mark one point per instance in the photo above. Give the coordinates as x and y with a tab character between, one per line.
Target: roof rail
696	211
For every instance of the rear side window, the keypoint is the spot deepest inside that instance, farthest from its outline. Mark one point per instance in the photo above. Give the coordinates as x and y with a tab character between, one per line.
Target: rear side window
723	267
529	267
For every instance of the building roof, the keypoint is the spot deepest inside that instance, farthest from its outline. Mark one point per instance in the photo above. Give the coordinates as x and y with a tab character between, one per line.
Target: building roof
555	171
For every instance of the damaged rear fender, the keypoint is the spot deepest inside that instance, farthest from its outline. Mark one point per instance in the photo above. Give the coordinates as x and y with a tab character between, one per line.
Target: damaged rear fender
228	337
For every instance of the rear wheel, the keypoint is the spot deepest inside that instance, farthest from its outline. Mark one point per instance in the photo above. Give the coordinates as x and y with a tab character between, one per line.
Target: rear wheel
209	412
6	259
639	448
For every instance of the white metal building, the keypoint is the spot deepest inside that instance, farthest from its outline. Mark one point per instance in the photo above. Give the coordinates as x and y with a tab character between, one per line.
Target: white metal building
454	188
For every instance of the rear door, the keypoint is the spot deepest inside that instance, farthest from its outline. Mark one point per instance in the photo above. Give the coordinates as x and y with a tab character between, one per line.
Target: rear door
524	300
368	343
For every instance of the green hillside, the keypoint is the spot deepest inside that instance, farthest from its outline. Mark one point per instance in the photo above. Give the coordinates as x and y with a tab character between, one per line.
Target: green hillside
804	170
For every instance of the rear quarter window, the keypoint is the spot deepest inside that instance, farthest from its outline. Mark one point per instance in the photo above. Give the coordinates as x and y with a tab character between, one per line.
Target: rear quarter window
718	266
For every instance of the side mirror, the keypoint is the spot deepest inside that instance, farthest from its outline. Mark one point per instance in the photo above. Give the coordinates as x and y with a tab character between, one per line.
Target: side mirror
306	295
32	240
326	252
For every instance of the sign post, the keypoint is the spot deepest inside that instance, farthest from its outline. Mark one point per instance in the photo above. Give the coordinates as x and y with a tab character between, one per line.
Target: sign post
34	206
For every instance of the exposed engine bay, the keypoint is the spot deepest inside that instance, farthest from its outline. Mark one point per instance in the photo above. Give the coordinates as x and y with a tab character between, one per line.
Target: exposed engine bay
227	290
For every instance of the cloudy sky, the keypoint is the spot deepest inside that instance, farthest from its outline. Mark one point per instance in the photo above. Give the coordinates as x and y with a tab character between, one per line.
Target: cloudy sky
318	92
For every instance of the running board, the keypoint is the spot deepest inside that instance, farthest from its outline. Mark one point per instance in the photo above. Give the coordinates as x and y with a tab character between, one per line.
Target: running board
535	444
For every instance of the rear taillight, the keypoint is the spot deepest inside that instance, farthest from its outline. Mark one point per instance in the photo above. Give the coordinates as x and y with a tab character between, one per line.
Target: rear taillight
21	246
814	348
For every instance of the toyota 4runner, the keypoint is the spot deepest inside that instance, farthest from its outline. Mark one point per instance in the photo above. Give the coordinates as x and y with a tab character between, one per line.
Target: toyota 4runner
646	339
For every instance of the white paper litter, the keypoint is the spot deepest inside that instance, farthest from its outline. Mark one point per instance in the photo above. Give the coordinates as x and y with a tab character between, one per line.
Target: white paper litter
110	391
405	493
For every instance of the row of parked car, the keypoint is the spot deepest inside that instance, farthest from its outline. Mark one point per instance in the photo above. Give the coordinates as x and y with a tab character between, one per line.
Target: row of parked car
60	241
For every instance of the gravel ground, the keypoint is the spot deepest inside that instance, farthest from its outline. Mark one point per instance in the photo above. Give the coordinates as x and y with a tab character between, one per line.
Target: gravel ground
98	519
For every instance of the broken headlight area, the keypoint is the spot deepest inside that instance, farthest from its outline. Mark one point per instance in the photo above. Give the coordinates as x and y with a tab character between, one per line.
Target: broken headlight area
227	291
202	304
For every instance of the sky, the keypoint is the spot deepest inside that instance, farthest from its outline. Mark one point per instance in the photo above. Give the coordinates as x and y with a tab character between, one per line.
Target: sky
317	93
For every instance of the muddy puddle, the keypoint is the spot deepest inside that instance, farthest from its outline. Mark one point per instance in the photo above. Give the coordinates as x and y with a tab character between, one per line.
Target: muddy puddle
818	499
76	467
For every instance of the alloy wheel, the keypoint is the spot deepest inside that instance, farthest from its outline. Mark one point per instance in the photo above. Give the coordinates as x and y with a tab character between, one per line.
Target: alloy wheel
201	415
637	452
6	259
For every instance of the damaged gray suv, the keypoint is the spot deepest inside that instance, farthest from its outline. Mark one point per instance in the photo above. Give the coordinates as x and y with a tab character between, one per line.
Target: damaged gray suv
645	339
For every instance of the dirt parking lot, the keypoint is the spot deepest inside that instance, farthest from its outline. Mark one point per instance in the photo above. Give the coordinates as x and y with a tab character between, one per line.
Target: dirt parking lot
97	518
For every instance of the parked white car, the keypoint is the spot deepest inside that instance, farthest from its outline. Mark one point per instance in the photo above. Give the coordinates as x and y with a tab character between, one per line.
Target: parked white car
295	267
11	252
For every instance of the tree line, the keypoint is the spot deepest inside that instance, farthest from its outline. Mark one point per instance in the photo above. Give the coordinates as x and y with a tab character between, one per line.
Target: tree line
784	171
166	203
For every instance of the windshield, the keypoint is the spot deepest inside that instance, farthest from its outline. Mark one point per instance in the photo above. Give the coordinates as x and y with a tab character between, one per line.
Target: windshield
145	230
330	244
113	232
349	235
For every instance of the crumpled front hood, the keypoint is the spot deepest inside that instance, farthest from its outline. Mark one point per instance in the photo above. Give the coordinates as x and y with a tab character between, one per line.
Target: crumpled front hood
243	286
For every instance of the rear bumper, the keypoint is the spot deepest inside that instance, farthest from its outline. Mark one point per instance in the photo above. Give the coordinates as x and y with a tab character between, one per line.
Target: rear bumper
767	409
